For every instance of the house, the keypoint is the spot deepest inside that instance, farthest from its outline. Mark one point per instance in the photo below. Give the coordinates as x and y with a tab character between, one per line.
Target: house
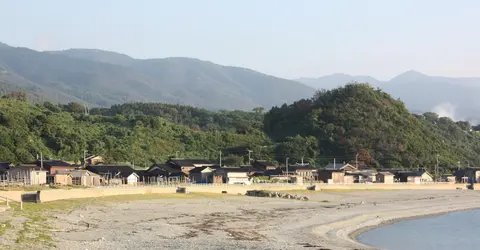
344	167
408	176
331	176
28	174
303	170
233	175
4	167
86	178
385	177
238	178
115	174
461	176
162	172
53	166
265	165
94	160
202	175
472	174
450	178
369	175
62	178
355	177
188	164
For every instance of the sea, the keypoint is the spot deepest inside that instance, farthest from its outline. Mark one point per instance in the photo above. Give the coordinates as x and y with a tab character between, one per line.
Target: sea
456	230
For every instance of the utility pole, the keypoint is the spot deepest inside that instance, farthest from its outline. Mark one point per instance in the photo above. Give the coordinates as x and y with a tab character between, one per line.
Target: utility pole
436	169
41	161
334	164
302	160
356	161
85	158
286	165
220	158
249	157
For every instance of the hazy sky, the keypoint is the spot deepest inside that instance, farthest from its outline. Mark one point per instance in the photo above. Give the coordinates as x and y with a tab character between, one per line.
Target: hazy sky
293	38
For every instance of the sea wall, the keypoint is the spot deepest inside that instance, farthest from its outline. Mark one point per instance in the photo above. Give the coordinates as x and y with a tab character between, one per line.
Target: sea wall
61	194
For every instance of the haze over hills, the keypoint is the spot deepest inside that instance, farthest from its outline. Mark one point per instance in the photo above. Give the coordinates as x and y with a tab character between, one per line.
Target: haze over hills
103	78
447	96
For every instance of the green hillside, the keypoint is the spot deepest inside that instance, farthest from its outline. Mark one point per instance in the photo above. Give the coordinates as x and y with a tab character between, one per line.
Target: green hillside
64	132
359	119
336	124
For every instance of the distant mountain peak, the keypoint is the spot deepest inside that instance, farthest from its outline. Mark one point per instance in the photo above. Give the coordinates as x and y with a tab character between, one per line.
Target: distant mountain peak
409	75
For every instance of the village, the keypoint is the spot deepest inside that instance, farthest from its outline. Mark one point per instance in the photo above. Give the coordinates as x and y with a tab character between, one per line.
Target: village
94	172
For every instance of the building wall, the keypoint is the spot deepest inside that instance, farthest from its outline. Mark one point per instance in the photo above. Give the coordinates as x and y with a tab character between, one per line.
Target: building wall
63	179
426	178
132	179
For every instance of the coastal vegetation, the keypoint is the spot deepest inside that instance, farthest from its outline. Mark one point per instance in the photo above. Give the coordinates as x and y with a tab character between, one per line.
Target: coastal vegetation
354	122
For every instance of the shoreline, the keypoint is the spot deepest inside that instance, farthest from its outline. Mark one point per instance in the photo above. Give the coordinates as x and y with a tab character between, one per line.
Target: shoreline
354	235
328	220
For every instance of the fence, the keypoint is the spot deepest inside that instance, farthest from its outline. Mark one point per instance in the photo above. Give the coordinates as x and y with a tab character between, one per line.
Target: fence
9	201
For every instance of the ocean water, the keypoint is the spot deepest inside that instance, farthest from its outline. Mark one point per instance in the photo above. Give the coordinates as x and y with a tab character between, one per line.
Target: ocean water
457	230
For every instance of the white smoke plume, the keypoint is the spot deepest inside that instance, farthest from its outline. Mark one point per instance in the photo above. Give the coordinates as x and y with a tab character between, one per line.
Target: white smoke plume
446	109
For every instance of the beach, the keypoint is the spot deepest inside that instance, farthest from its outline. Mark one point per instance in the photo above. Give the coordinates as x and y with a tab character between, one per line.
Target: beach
328	220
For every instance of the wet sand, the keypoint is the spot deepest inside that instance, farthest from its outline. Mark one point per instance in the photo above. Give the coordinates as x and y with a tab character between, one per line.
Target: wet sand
329	220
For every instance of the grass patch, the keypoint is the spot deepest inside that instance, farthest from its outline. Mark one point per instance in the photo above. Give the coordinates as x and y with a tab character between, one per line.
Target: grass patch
4	225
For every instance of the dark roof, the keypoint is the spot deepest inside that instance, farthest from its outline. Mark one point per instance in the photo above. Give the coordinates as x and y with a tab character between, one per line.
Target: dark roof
189	162
5	164
237	170
162	169
298	167
409	173
27	167
198	170
111	170
276	171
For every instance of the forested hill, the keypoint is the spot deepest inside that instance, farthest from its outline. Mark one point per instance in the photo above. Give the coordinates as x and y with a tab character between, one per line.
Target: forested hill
359	119
64	132
236	121
336	124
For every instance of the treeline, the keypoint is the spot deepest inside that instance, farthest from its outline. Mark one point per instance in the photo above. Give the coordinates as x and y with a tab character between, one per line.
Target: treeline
359	122
64	132
355	122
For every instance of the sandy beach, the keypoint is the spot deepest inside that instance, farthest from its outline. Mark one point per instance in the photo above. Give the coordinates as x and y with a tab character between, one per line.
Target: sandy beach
329	220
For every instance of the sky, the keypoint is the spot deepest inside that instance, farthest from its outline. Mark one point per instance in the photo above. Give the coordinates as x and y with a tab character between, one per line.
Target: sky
285	38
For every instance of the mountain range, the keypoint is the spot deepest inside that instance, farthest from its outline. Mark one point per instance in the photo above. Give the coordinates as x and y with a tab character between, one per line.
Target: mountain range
103	78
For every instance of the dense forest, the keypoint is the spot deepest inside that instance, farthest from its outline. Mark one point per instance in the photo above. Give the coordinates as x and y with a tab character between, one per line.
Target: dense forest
348	123
65	131
357	119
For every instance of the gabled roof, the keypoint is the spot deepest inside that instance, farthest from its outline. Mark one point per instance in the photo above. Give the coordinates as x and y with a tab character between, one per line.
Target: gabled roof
80	173
337	166
200	169
112	170
163	169
385	173
189	162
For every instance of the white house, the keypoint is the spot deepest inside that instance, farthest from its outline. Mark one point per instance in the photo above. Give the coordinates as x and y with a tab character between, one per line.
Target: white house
132	179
